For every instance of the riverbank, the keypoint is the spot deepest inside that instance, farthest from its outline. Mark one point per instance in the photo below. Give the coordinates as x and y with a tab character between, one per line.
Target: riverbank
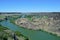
7	34
33	27
37	23
31	34
52	33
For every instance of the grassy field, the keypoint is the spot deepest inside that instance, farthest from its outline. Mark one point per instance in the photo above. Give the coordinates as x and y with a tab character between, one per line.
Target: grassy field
2	16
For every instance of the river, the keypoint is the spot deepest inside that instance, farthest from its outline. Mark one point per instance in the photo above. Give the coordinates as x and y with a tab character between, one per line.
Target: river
31	34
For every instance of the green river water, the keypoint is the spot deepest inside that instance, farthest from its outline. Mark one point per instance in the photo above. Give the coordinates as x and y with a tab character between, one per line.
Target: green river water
31	34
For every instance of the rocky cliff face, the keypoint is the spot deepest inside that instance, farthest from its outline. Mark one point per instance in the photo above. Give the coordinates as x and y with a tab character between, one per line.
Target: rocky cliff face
49	22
